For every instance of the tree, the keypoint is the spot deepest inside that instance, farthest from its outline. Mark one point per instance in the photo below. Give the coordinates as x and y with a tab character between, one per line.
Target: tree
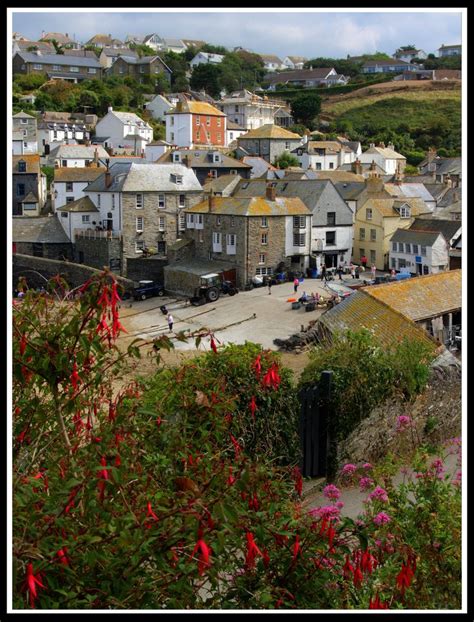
89	99
305	107
207	77
285	160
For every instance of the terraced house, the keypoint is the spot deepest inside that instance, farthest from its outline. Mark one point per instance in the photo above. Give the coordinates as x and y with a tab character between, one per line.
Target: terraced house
57	66
258	236
139	68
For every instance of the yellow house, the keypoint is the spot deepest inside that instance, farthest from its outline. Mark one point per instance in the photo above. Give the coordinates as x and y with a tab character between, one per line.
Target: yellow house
376	221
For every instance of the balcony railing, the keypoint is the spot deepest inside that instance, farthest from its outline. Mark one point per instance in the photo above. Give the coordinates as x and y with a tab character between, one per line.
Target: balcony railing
93	234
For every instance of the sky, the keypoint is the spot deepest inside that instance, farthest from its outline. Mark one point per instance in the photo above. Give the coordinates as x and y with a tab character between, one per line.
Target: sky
310	34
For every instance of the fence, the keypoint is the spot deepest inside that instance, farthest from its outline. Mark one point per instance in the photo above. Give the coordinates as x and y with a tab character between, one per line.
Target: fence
314	428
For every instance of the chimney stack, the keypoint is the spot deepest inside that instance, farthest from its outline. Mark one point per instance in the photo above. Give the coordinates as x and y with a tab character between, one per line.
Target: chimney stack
212	201
270	192
357	167
431	155
108	178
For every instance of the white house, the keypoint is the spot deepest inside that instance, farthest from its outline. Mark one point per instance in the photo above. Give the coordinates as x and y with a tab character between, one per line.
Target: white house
408	55
386	157
173	45
77	155
204	58
449	50
124	128
156	149
69	184
324	155
77	215
294	62
52	134
419	252
249	110
272	62
158	106
154	41
25	137
234	130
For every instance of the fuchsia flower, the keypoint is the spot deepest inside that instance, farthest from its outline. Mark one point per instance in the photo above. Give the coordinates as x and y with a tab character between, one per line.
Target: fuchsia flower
253	407
213	345
32	581
204	554
272	378
252	551
257	366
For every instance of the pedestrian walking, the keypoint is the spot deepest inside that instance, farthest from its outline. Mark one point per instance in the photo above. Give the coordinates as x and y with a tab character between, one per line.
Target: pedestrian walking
170	321
373	269
323	272
363	261
353	271
295	284
340	270
269	286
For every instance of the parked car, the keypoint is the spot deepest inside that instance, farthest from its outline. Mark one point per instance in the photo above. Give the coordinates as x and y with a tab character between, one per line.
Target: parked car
148	289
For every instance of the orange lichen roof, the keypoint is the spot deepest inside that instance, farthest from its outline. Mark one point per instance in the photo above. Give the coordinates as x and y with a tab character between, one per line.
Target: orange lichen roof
386	207
422	297
270	130
386	324
197	108
256	206
69	173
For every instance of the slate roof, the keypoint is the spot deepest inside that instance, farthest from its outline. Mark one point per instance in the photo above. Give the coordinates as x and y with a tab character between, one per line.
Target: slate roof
387	325
449	165
130	118
385	152
260	167
120	52
409	190
270	131
252	207
423	238
449	228
41	229
118	172
84	204
60	59
76	174
223	185
320	73
147	177
30	198
23	115
365	166
422	297
202	158
79	152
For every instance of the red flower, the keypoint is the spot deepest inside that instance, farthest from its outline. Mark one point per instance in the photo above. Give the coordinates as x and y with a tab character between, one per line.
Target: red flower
213	345
104	298
114	297
102	325
253	503
298	481
252	551
296	548
231	478
23	344
347	568
377	604
404	577
118	461
237	447
257	366
75	380
253	407
271	378
368	562
149	511
62	556
204	554
31	582
358	577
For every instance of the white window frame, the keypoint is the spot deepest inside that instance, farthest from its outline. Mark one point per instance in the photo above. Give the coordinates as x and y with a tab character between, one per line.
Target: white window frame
264	221
139	201
262	257
85	219
113	201
405	212
264	238
74	69
139	246
181	221
299	222
216	242
190	221
299	239
161	223
38	66
98	200
161	201
139	224
373	235
368	213
231	243
91	70
198	121
423	251
181	200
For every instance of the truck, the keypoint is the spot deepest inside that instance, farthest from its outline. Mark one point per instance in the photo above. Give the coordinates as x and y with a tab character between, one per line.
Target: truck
210	288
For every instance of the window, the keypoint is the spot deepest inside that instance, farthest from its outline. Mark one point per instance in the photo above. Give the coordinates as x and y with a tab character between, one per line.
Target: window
368	214
232	221
182	200
178	180
264	222
394	247
176	157
373	235
98	200
264	238
373	257
400	247
25	145
23	121
393	263
198	135
407	248
218	221
37	66
20	190
172	136
331	165
69	199
22	166
330	238
236	109
113	200
142	69
299	222
74	69
91	70
213	173
201	236
263	271
318	166
86	219
64	214
361	252
139	224
161	201
198	121
208	120
404	212
218	121
171	120
299	239
138	201
216	242
287	144
231	136
190	221
139	246
161	223
25	133
331	219
231	243
69	186
219	137
261	258
423	251
362	233
415	249
161	247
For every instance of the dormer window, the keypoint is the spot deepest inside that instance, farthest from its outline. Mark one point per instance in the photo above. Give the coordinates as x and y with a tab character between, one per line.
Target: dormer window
22	166
177	179
176	157
405	212
216	157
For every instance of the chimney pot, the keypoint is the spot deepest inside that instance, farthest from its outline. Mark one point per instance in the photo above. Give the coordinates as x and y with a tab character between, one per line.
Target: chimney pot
108	178
212	201
270	192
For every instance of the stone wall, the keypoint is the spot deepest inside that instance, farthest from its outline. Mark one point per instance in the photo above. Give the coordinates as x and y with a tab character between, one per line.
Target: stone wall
98	253
35	268
49	251
146	268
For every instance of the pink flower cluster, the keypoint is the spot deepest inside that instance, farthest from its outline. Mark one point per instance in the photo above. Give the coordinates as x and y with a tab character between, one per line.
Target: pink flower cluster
326	512
378	494
349	469
382	518
331	492
403	422
365	483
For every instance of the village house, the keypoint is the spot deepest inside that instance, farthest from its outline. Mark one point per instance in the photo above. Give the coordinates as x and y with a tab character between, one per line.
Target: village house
28	185
158	106
376	219
272	62
77	155
408	54
41	236
294	62
53	133
449	50
24	139
156	149
139	68
388	66
125	130
283	118
206	163
205	58
196	124
442	169
105	41
332	220
386	157
419	252
268	141
145	204
234	130
109	55
57	66
251	111
222	186
69	183
33	46
322	155
64	40
257	236
173	45
307	78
